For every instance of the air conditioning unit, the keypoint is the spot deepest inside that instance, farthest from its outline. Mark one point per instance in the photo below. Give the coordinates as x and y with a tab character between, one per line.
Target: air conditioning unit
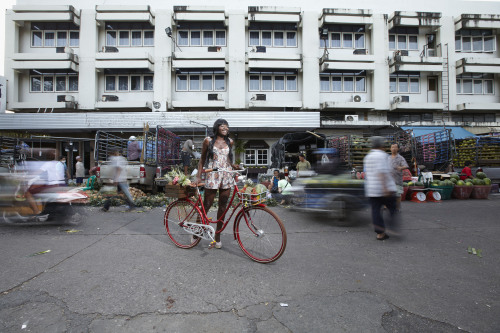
261	49
60	49
401	99
351	117
215	97
356	98
65	98
214	49
109	49
258	97
109	98
360	51
404	53
158	106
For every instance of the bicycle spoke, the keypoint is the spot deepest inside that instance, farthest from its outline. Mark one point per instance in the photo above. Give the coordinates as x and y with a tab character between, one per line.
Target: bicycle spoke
261	234
176	214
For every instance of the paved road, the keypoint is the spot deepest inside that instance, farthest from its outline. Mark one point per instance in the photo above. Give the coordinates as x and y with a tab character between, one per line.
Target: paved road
121	273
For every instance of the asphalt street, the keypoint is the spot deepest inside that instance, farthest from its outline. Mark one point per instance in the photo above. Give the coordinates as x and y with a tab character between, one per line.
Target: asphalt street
119	272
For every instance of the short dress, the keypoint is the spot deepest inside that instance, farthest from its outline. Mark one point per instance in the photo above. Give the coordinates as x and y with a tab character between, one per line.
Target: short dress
219	179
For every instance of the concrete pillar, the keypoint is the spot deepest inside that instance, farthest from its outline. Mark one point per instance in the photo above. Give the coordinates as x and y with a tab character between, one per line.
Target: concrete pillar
162	67
310	62
236	59
11	46
446	37
87	86
379	47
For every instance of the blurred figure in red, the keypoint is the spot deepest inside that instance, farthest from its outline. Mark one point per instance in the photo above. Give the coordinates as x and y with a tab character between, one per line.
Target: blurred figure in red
466	171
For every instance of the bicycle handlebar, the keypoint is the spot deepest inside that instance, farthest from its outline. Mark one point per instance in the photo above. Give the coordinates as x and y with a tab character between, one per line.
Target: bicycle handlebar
226	170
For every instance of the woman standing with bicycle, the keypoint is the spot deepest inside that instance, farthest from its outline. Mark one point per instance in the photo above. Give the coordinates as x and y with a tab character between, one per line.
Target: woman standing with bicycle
217	153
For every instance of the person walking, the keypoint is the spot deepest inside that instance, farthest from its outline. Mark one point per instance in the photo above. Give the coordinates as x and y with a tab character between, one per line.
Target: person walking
133	149
284	190
398	164
380	186
119	167
187	154
62	173
80	170
217	153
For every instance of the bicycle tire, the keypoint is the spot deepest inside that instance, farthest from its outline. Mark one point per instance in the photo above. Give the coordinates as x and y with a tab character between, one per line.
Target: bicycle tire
176	213
260	234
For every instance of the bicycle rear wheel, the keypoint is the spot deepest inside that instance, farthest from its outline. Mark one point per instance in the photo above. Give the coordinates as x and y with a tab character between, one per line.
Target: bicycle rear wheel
260	233
177	213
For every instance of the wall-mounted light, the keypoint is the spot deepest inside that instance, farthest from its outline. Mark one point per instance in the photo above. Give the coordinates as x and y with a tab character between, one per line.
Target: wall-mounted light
324	33
168	31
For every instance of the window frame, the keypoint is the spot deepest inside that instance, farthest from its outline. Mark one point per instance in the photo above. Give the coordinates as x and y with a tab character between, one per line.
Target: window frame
257	155
407	42
55	40
459	43
200	80
40	83
273	43
41	32
409	79
342	83
473	80
129	89
273	84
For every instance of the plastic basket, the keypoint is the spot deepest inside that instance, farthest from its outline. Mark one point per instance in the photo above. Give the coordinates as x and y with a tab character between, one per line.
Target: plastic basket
480	191
248	199
445	191
461	192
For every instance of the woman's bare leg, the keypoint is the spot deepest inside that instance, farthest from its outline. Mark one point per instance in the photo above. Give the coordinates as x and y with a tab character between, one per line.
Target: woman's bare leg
223	199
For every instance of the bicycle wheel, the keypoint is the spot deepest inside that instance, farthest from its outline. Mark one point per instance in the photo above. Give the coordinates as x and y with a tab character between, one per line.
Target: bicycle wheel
260	234
177	213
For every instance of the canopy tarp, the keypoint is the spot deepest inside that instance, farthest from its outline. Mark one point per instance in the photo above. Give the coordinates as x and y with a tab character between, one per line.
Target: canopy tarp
456	131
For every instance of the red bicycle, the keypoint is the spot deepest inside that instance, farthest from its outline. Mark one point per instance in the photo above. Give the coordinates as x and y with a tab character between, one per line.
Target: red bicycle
259	231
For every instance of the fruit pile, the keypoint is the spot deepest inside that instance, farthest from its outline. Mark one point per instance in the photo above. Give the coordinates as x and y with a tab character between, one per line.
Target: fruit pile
466	151
254	194
176	177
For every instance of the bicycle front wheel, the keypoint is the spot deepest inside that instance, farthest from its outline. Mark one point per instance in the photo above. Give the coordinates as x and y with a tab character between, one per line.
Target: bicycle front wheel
260	234
176	215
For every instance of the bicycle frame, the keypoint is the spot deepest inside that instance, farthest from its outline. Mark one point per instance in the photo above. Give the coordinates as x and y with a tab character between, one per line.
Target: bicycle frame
239	208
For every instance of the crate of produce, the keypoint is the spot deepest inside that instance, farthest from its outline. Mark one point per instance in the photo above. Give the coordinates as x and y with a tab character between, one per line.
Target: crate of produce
461	192
480	191
249	199
180	192
445	191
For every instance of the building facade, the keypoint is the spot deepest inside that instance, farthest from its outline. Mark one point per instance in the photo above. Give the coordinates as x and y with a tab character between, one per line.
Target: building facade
262	67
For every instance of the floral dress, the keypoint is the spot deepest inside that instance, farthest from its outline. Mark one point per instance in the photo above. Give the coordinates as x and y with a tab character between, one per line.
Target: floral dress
219	179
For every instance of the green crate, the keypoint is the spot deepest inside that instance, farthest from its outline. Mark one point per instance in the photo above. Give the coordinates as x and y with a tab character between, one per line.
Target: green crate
445	191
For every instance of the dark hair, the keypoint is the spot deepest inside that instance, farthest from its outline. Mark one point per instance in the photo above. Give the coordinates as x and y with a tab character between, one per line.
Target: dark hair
302	155
467	163
215	131
276	170
395	143
377	142
281	175
61	157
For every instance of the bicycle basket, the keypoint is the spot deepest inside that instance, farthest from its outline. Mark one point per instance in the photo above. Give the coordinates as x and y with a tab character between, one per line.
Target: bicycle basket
180	192
248	199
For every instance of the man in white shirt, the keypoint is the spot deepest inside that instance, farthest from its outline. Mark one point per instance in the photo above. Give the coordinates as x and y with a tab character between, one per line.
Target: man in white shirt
119	164
380	187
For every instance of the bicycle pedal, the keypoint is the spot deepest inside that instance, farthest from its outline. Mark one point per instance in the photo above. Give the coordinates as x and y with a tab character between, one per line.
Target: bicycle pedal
212	245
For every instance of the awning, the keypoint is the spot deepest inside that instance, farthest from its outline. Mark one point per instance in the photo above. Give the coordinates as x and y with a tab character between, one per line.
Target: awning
457	132
256	144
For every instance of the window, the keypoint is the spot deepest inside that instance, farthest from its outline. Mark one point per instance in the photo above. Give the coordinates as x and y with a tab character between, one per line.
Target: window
201	34
475	84
135	34
475	117
201	81
344	36
256	156
37	39
74	38
36	84
62	38
475	40
272	34
57	34
404	83
343	81
403	38
279	81
125	83
59	82
148	83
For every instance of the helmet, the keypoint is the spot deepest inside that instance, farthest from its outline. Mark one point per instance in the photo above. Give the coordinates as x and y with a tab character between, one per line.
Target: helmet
132	138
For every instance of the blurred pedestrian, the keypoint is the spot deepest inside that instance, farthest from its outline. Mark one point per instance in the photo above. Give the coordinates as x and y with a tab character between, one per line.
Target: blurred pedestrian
273	187
62	173
380	187
466	171
119	167
398	164
80	170
133	149
187	154
284	190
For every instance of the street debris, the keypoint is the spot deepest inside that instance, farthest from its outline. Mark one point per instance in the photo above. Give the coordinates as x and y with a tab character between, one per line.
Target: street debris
38	253
70	231
284	304
25	324
472	250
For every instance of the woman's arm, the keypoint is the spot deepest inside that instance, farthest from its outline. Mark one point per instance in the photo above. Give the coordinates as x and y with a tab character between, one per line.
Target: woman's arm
204	150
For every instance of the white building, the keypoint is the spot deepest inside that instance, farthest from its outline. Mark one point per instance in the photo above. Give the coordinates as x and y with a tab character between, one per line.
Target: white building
90	65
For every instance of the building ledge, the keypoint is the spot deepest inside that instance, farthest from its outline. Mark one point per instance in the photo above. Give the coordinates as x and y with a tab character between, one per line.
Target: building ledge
45	57
195	103
123	104
478	65
278	64
275	104
193	63
478	106
417	19
44	106
270	55
477	21
199	53
37	64
347	105
352	58
336	65
417	106
55	13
